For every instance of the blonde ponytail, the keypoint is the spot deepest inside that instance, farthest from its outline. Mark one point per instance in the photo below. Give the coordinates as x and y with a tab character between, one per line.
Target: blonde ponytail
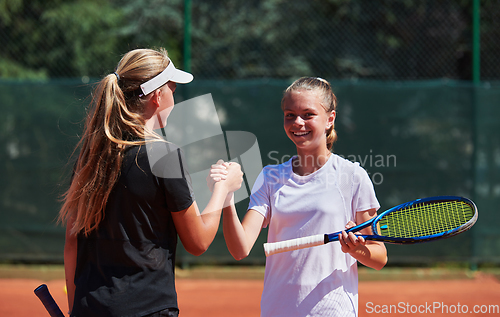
115	121
331	137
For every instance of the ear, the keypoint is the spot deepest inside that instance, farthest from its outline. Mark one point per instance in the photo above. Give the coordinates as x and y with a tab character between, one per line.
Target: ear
156	98
331	119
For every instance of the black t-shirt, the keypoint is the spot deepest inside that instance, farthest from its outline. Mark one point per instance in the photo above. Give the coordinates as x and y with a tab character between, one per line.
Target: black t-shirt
126	266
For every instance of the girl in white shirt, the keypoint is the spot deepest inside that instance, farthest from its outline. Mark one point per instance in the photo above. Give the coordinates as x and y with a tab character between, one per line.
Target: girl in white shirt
314	192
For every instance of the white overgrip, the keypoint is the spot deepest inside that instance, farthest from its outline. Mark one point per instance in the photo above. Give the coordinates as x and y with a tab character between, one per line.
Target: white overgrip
293	244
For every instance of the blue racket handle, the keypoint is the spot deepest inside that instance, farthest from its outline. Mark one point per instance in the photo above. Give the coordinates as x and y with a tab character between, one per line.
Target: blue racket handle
50	304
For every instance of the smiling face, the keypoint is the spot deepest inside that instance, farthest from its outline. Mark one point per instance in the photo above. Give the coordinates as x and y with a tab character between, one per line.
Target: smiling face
306	120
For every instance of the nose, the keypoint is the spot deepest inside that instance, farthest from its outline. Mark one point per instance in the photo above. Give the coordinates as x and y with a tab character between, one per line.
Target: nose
299	120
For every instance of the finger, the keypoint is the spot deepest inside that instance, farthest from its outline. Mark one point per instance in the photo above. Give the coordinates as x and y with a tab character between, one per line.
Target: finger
218	169
342	243
345	243
234	167
218	173
353	238
217	165
221	167
350	224
346	239
218	177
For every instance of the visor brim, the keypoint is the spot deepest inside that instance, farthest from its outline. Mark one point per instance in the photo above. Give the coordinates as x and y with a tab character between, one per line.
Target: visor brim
181	77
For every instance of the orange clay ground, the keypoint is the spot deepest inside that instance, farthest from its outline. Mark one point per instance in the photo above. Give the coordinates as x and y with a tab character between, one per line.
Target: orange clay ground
236	291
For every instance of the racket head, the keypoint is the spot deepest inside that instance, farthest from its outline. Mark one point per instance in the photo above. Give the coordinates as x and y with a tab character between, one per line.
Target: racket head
425	219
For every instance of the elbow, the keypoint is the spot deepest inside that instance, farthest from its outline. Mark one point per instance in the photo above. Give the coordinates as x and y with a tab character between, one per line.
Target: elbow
380	264
240	255
379	256
197	250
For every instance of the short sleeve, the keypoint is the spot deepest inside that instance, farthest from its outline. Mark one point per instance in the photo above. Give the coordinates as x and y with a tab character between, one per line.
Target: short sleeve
178	192
364	197
260	199
168	165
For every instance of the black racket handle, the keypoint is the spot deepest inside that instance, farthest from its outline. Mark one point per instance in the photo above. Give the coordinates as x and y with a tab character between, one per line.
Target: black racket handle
48	301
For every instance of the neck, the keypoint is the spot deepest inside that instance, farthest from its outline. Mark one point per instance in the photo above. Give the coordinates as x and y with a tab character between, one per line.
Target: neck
307	163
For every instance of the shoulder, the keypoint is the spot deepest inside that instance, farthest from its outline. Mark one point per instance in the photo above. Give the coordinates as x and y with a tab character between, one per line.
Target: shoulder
159	146
163	159
277	169
270	169
134	153
349	170
149	151
133	150
342	164
270	176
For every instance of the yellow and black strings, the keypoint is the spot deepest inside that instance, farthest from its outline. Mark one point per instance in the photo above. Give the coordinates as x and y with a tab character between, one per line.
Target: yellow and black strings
425	219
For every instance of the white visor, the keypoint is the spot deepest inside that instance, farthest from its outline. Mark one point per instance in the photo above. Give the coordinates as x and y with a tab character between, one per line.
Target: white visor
169	74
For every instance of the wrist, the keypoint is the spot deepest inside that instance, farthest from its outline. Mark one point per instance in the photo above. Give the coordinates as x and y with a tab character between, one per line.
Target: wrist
221	186
229	200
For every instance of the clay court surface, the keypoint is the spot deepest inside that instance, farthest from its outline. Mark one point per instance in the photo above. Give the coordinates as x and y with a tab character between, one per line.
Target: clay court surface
236	292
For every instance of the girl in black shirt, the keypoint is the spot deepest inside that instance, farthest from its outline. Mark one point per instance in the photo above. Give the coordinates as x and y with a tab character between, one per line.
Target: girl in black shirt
122	220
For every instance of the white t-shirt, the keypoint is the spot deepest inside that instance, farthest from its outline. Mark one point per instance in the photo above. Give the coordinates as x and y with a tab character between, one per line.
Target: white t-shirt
322	280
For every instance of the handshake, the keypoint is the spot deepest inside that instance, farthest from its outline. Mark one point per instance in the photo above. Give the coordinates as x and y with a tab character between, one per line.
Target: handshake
228	175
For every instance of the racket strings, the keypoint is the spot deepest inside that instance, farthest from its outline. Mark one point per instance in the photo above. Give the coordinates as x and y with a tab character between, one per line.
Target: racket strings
426	219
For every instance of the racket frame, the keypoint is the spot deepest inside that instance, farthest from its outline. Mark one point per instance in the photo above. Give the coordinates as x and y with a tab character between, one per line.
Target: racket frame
412	240
320	239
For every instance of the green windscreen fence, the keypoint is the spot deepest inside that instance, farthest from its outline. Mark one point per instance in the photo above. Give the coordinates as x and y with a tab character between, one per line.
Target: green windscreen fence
415	139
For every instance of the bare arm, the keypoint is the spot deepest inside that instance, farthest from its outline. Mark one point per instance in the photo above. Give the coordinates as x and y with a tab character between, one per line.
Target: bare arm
370	253
196	230
241	236
70	251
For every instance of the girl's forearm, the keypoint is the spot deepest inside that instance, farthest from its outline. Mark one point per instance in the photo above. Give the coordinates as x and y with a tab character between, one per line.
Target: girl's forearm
210	217
234	233
197	229
372	254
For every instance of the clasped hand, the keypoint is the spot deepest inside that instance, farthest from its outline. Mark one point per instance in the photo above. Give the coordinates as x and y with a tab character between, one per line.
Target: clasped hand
225	173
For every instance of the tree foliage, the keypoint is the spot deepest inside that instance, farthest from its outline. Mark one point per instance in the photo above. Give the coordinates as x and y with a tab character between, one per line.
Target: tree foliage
76	38
381	39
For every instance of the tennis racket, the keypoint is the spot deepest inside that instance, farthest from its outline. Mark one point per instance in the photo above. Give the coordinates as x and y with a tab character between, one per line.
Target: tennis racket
416	221
48	301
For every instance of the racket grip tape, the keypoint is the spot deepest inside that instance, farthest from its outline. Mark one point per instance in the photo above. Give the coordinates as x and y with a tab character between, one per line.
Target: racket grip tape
294	244
42	292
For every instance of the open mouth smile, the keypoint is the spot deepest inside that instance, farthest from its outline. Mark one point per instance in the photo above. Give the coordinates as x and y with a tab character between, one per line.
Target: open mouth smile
301	133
